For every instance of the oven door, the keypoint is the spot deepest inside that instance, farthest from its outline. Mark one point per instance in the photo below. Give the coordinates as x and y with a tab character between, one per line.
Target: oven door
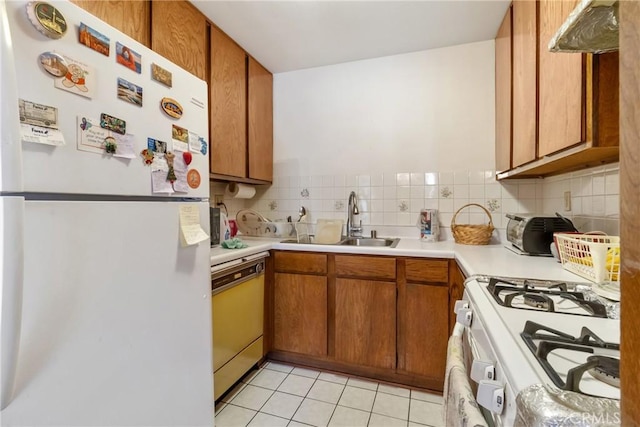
492	393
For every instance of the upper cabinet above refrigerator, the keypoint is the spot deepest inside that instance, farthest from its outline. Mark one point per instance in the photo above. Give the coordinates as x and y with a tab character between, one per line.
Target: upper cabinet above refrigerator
131	17
240	88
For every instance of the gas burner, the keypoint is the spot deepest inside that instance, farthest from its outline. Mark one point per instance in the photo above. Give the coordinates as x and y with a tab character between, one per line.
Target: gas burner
537	301
600	367
607	370
543	295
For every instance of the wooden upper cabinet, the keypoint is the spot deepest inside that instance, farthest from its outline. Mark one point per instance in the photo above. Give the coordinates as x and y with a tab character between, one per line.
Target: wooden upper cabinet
565	113
503	94
560	85
524	81
228	94
260	116
179	33
132	17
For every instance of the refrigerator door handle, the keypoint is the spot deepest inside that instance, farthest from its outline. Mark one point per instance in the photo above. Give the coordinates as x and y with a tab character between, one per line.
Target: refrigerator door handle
12	279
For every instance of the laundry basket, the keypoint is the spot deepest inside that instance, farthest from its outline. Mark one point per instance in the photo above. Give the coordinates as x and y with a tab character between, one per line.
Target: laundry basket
594	257
472	234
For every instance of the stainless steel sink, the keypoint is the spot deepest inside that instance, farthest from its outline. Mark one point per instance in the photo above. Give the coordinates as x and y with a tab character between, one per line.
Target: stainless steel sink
359	241
370	241
289	241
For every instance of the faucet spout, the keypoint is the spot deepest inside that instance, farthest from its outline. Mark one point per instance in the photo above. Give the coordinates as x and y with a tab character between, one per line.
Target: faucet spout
352	210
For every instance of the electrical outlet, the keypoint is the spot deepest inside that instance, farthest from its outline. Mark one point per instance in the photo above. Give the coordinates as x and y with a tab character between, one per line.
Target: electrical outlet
217	199
567	201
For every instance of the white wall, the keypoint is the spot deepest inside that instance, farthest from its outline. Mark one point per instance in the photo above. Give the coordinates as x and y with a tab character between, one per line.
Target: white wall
423	111
405	132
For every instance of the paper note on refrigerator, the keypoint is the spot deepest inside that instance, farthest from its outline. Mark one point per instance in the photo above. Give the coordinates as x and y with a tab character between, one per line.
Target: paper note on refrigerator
191	232
41	135
159	171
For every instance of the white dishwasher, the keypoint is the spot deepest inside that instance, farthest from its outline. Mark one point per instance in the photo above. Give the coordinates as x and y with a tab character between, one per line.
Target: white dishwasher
237	289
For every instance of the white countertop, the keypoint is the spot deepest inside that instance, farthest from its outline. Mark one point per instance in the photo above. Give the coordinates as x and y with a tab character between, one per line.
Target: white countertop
493	259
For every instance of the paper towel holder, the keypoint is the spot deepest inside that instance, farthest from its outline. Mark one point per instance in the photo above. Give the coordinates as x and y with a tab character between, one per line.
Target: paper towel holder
240	191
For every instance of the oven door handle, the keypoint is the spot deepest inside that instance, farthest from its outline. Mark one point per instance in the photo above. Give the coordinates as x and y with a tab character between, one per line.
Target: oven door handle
482	370
464	316
491	396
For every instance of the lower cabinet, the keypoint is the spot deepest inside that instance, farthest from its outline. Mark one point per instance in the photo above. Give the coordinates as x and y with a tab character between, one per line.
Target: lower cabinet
299	303
426	330
365	322
300	314
423	317
381	317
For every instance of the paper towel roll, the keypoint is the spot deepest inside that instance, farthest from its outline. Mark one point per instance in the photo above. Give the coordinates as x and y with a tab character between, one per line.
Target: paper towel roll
240	191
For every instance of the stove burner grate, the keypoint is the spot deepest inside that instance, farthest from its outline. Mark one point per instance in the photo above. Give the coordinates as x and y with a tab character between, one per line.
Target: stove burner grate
538	301
497	286
606	369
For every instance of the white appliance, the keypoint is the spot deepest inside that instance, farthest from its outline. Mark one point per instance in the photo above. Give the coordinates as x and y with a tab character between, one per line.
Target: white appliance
497	314
105	315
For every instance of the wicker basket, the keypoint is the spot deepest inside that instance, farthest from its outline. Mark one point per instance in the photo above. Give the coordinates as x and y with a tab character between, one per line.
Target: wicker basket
472	234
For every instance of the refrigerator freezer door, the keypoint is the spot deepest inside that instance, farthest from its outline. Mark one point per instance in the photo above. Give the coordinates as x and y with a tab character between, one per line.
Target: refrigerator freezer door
116	318
66	169
10	146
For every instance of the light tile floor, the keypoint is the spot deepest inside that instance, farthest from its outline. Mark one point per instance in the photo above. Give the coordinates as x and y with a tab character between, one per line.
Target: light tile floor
283	395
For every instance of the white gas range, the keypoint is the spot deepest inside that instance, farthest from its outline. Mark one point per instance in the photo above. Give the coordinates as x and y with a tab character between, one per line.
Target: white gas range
522	333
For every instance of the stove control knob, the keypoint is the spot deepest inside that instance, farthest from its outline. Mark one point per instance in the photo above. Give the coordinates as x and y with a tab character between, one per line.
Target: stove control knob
464	316
460	304
491	396
482	370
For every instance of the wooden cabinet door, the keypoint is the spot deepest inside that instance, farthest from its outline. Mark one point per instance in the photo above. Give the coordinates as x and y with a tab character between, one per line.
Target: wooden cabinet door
300	314
365	322
426	312
260	116
560	84
503	94
524	82
132	17
629	207
228	94
179	33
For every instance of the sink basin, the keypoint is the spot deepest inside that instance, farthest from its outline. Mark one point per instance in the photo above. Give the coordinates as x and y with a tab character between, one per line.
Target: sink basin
370	241
289	241
359	241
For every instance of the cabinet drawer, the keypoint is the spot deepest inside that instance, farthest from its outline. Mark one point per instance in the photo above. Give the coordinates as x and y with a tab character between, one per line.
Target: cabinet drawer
366	266
296	262
427	270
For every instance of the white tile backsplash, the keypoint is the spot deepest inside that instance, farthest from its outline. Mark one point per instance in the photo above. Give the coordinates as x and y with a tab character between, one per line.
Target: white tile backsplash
394	199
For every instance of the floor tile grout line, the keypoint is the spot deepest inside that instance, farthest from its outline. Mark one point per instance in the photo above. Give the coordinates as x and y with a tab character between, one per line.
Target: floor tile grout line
344	387
301	402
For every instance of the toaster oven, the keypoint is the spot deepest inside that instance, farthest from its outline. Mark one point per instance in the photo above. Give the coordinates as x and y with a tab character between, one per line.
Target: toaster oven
533	234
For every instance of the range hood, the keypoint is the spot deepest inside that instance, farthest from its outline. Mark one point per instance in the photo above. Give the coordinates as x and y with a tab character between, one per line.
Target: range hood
592	27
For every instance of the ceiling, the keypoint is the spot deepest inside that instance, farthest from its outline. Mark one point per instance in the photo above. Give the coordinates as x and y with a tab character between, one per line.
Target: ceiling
292	35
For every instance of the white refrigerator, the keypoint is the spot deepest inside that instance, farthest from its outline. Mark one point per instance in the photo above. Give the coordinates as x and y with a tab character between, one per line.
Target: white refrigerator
105	307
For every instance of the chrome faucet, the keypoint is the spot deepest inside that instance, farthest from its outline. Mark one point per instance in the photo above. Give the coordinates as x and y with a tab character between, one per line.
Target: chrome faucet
352	211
